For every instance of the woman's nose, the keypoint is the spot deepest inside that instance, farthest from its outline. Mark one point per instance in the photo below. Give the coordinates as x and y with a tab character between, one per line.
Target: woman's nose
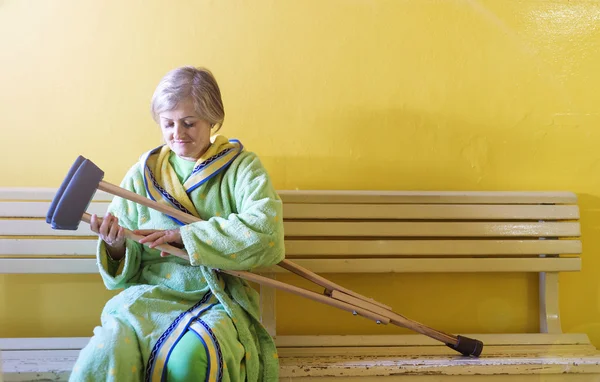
178	131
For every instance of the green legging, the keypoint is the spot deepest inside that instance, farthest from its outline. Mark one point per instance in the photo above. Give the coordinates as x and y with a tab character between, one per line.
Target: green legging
188	361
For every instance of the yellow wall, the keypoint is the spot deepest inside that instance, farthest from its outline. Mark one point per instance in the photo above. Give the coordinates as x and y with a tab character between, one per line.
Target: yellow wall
337	94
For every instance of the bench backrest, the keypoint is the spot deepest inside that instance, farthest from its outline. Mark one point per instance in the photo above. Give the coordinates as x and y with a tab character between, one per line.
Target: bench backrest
354	232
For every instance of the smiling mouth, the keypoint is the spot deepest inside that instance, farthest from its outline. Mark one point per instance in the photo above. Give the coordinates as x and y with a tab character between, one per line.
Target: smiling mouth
181	142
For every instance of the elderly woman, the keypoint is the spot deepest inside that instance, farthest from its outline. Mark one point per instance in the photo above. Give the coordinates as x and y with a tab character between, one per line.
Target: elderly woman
178	320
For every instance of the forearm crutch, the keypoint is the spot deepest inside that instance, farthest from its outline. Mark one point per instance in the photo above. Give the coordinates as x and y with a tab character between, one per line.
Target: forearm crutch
68	209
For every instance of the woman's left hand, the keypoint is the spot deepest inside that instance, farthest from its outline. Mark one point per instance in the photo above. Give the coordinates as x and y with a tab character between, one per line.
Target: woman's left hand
154	237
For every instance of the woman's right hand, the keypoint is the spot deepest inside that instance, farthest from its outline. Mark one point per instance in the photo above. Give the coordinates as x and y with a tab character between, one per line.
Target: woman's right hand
111	233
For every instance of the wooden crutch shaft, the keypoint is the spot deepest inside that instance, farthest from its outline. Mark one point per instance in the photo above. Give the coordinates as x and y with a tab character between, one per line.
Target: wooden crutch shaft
395	318
307	294
132	236
341	296
329	285
129	195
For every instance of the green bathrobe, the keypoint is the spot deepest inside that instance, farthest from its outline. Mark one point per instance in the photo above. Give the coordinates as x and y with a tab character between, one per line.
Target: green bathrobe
165	297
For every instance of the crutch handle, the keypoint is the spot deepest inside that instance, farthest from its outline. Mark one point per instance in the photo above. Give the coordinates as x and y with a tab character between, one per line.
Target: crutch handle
132	236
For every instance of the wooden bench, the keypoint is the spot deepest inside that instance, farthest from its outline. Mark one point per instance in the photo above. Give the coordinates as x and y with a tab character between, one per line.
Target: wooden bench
359	232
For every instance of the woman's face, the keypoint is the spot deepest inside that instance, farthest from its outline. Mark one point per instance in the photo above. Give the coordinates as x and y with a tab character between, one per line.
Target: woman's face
184	131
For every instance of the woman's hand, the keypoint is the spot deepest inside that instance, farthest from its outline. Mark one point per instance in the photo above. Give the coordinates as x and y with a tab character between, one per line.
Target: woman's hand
154	237
111	233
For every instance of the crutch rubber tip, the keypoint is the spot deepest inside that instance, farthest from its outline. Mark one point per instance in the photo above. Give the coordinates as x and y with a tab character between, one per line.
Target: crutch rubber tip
467	346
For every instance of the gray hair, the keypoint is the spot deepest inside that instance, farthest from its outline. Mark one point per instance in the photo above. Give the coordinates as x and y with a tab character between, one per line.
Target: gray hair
188	81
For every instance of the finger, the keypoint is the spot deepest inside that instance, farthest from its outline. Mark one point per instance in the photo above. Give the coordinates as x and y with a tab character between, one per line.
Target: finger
121	233
113	230
164	254
164	239
145	232
105	226
94	223
151	238
161	240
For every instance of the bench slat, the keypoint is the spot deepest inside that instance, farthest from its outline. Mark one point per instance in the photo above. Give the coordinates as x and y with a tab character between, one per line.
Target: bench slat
373	340
372	367
39	209
437	265
354	211
52	343
42	193
15	227
36	227
54	365
22	355
535	350
429	229
333	248
421	352
48	266
427	197
421	340
430	212
528	367
48	247
563	361
336	196
343	248
69	265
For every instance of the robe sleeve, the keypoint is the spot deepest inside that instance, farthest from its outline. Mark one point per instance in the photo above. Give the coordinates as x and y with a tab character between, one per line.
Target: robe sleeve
252	237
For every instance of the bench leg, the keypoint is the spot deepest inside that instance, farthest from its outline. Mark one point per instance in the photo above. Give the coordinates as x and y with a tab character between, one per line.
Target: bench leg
549	310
